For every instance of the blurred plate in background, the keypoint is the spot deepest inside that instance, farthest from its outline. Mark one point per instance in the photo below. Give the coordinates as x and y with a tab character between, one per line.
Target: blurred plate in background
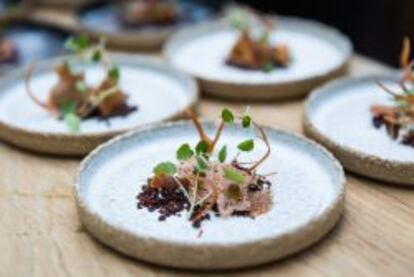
105	19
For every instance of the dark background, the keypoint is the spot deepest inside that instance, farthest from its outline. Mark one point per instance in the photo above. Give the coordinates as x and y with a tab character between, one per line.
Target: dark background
376	27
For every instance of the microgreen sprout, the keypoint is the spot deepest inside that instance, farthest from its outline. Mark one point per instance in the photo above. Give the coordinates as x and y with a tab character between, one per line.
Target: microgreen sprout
254	50
401	114
72	88
205	181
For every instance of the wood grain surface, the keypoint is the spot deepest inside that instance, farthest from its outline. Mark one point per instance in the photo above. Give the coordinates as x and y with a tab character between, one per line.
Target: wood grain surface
40	234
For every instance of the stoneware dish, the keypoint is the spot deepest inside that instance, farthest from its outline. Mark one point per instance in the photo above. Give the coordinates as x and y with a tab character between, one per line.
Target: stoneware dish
159	92
338	116
318	52
103	19
308	196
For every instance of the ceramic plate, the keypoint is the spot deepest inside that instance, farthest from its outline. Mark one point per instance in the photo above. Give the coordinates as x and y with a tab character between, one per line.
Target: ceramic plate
104	19
338	115
159	92
319	53
308	195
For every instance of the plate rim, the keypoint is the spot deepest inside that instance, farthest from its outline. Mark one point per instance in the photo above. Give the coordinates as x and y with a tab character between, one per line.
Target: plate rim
312	131
332	212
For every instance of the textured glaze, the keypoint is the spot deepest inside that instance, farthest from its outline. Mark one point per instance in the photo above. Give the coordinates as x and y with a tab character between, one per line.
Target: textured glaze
307	187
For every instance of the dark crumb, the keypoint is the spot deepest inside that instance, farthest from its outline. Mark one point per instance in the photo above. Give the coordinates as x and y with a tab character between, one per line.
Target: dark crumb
242	213
123	111
408	139
378	121
166	202
172	201
197	224
259	185
394	131
249	68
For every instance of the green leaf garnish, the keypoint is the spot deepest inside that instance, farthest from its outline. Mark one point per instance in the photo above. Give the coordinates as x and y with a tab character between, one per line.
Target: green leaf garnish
227	116
77	44
72	121
67	107
81	87
69	116
264	38
268	67
246	121
201	147
97	55
165	168
222	155
184	152
238	19
233	175
246	145
114	73
202	164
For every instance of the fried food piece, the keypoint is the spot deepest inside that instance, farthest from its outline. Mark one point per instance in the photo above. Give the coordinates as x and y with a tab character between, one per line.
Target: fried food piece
257	55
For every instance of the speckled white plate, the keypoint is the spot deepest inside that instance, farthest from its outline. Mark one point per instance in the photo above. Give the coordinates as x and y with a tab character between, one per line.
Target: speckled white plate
319	53
159	92
338	115
308	194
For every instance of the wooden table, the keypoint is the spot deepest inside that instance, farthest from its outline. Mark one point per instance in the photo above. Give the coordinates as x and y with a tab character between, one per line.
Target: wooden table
40	234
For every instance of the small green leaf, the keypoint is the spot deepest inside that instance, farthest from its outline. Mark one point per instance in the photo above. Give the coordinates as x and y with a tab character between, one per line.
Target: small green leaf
81	87
233	175
202	164
238	19
97	55
222	154
184	152
265	37
72	121
77	44
67	107
165	168
268	67
246	145
246	121
227	116
114	73
201	147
